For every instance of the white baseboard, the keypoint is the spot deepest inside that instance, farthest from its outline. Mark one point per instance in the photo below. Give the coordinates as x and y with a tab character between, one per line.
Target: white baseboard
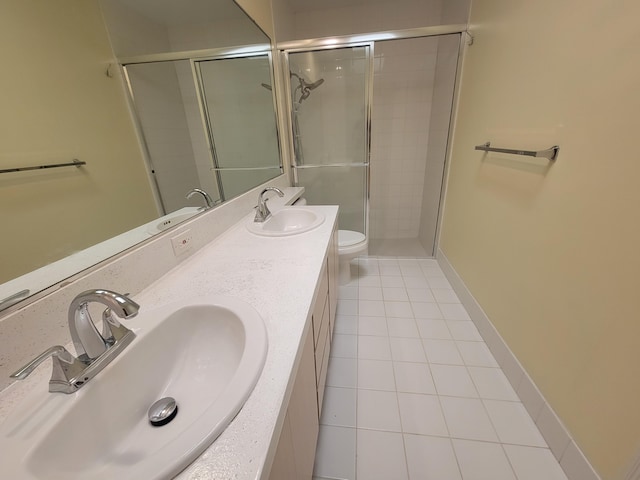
563	447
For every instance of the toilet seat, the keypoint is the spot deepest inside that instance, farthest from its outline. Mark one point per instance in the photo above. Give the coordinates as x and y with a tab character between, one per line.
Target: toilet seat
350	241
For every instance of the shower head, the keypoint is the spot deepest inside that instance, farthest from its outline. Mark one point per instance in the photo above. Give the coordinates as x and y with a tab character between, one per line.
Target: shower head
267	86
314	85
305	87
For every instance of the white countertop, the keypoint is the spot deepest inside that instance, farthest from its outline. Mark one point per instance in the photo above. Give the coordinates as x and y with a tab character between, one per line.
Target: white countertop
278	277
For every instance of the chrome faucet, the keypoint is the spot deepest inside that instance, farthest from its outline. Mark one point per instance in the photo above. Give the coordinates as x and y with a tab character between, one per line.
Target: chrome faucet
262	211
66	367
95	350
207	199
88	342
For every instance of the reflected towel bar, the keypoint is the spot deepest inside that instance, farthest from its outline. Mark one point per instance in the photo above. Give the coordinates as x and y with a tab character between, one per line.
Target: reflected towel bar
549	153
13	299
75	163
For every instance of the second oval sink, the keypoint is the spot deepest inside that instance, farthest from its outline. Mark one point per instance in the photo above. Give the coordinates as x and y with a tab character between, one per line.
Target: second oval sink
287	221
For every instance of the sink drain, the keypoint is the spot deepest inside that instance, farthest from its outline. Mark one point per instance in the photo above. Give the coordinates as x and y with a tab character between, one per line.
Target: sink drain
163	411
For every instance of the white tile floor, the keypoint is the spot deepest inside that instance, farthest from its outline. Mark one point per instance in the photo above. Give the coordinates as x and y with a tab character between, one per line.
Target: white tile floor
412	390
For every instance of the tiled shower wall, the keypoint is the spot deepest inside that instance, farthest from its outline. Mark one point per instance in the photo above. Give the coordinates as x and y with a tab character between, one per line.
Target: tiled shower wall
404	74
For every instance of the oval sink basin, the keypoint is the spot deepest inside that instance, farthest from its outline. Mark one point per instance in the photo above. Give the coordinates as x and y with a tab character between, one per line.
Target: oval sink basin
287	221
172	219
207	355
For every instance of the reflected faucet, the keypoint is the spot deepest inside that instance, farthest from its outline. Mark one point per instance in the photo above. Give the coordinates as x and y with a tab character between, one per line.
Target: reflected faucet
95	350
262	211
207	199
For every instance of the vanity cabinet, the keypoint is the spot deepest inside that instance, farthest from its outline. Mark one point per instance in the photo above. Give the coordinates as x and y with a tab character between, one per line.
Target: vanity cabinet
297	445
296	450
321	337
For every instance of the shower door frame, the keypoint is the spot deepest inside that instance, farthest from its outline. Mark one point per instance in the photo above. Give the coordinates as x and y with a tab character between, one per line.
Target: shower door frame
193	56
318	45
205	116
466	39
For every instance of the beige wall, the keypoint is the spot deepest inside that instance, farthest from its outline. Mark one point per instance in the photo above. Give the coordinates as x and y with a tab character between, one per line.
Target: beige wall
551	251
58	104
260	11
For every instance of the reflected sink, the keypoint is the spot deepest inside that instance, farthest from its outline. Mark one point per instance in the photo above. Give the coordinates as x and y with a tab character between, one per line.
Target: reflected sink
172	219
287	221
207	354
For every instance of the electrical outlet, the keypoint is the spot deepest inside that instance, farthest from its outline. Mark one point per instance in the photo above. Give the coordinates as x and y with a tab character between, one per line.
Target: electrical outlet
182	242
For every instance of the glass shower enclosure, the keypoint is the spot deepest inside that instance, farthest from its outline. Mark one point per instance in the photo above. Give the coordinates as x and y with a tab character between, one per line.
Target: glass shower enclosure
208	122
379	153
329	90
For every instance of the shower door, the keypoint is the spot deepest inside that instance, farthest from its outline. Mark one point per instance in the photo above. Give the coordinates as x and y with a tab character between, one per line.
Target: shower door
330	98
208	123
236	96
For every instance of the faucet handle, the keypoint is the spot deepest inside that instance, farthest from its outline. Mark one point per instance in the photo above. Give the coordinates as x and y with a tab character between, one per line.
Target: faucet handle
258	206
66	368
112	329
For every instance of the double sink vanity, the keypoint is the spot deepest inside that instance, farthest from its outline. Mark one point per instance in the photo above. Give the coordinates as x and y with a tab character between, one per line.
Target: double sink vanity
237	335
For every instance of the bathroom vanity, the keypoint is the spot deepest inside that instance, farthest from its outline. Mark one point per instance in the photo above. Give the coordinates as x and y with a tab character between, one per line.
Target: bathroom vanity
296	449
291	282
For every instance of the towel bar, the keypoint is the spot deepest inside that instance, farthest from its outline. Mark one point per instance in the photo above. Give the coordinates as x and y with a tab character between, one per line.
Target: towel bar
549	153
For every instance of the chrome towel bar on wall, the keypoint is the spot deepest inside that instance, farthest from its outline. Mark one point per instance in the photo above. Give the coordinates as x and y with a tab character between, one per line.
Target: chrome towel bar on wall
75	163
549	153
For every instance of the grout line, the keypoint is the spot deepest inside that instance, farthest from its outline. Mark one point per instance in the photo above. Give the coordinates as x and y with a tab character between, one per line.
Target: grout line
515	474
356	283
355	460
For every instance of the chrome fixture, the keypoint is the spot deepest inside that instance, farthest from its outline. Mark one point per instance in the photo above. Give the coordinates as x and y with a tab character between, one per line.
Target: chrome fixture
88	342
262	211
305	87
207	199
549	153
13	299
162	411
95	350
74	163
66	368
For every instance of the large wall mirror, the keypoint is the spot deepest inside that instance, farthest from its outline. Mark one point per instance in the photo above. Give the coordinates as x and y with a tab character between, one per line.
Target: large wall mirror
155	98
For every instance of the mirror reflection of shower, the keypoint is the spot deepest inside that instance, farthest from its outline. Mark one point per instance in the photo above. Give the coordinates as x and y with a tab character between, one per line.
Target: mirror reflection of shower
303	89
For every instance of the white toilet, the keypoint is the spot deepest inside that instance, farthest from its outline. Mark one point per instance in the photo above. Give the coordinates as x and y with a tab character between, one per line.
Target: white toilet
350	245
